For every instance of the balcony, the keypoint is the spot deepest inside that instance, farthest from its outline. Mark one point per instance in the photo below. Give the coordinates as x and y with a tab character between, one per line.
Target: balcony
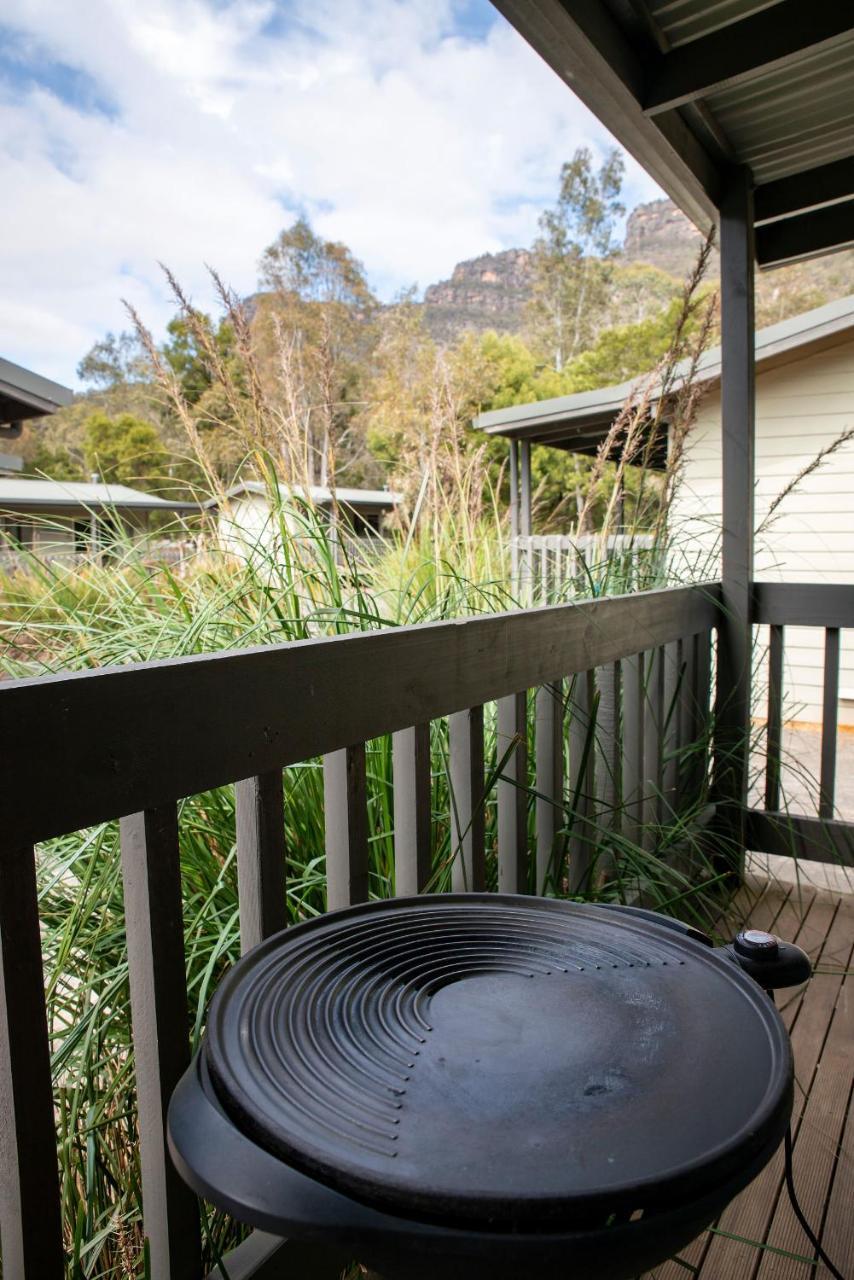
567	732
545	745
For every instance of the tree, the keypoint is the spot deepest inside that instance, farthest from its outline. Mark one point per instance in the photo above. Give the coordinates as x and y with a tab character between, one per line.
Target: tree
186	358
314	325
306	267
623	352
56	462
113	361
571	267
124	450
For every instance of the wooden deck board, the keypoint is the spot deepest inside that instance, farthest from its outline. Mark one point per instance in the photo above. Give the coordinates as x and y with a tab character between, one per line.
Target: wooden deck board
820	1017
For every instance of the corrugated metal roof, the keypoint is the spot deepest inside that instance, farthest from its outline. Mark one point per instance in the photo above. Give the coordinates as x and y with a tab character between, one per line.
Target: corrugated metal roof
319	494
792	119
684	20
22	493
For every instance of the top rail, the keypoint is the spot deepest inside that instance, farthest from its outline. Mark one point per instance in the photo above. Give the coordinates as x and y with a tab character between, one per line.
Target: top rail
96	745
803	604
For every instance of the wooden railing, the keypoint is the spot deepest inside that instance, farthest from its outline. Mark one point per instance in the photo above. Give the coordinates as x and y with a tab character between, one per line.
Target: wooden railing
824	838
131	742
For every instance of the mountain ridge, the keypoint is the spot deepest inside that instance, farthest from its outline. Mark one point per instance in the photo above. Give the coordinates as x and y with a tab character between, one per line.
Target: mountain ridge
491	291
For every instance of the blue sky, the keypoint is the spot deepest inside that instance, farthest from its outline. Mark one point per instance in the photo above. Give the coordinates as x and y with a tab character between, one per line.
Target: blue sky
188	132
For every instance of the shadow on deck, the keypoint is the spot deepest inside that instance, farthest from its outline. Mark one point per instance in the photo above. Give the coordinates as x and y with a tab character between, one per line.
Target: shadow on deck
820	1019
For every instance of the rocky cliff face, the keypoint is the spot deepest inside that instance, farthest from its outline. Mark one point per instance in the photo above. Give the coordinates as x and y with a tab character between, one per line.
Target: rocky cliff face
488	292
659	235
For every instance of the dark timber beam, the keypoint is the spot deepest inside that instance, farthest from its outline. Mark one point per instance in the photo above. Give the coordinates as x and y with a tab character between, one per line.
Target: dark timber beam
806	236
732	701
585	47
803	192
766	41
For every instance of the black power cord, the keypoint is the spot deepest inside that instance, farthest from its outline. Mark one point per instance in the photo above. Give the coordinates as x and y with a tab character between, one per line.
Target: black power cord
808	1231
790	1187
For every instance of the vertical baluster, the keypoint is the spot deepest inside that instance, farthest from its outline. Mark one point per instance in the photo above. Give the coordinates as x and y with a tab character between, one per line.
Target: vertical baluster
633	734
685	742
702	711
512	794
412	809
346	814
544	571
608	747
151	872
525	572
572	570
260	817
703	700
830	712
549	770
30	1225
582	766
653	729
671	656
465	733
774	740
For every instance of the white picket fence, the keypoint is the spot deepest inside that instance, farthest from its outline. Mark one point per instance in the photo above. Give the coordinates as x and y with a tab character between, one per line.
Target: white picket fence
551	567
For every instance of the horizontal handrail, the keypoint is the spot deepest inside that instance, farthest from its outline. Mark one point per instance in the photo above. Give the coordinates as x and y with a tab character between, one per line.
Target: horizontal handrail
803	604
89	746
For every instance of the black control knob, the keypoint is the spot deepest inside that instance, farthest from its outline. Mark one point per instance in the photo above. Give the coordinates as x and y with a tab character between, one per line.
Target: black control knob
770	961
757	945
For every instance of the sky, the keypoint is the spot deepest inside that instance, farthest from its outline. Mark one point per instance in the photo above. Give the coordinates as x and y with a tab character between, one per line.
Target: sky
190	132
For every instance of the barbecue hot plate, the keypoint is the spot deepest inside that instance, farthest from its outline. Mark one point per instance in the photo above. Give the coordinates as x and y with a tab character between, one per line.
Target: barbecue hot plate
448	1076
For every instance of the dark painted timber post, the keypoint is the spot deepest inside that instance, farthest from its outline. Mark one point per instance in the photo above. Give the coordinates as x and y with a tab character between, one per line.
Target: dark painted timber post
525	468
30	1222
526	558
738	448
514	510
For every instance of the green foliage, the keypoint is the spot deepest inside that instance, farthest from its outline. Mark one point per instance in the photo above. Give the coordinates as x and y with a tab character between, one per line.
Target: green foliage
58	463
112	361
124	450
503	371
187	358
624	352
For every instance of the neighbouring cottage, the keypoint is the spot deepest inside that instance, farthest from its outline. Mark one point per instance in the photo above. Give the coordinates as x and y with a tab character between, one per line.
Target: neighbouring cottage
804	403
246	520
24	395
55	519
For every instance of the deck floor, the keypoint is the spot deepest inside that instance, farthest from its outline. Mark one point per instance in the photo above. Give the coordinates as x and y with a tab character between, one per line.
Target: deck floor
758	1236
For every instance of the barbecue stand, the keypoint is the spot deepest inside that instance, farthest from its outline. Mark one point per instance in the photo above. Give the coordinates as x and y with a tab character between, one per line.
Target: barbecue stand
485	1085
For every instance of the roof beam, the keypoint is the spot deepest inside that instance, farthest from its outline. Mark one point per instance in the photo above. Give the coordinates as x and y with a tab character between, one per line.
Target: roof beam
806	236
585	47
765	41
812	189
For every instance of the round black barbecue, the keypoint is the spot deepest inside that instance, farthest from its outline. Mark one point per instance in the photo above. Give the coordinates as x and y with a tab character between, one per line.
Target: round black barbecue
485	1083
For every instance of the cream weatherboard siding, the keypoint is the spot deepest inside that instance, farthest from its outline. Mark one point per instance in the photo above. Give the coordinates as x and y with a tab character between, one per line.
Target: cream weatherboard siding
802	407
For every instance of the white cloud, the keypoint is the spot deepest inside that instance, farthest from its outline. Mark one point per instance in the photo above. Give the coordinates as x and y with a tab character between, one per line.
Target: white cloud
416	144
